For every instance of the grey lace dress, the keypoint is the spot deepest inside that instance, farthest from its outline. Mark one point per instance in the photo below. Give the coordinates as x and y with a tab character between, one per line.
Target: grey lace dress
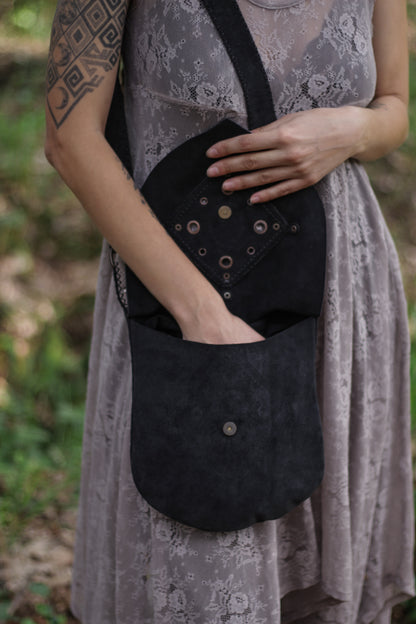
345	555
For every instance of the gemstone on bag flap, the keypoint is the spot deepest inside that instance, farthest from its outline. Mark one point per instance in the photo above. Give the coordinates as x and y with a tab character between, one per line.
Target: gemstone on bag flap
260	226
193	227
226	262
230	428
225	212
203	201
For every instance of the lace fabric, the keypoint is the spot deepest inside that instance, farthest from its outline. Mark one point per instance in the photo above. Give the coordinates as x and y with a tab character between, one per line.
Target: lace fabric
345	555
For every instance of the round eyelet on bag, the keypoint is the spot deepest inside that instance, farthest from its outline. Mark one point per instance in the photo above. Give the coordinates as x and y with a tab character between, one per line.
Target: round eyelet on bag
226	262
178	227
229	428
260	226
193	227
294	228
203	201
202	251
251	250
227	295
226	276
276	225
225	212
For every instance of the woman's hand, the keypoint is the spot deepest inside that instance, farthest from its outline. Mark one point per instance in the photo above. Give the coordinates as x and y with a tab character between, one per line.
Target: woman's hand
293	152
301	148
220	328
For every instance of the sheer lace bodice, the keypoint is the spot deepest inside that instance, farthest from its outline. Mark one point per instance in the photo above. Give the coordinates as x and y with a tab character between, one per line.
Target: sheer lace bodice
317	53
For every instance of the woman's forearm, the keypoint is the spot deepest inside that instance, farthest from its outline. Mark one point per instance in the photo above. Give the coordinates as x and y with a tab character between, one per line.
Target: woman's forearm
90	168
385	126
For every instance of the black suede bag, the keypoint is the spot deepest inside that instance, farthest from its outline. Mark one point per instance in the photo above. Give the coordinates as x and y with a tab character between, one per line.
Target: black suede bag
223	436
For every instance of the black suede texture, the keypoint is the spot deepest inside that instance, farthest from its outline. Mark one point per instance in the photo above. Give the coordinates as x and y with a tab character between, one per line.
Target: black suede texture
184	393
281	282
186	461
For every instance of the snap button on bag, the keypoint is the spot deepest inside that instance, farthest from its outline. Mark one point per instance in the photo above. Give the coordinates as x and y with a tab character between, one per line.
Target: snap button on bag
230	428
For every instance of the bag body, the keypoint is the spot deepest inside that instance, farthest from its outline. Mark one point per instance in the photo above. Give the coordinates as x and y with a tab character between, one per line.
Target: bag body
223	436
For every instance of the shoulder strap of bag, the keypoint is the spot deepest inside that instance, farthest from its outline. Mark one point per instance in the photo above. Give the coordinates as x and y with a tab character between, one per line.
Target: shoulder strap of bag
243	52
236	37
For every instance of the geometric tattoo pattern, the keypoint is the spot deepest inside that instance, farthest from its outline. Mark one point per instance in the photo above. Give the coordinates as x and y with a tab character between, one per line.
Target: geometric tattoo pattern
85	44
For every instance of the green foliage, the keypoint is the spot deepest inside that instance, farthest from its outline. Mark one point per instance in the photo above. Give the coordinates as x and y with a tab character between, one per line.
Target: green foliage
41	598
41	415
30	17
42	375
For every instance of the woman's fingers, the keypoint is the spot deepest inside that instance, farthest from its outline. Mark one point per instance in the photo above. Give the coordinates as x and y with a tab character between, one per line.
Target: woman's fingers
245	162
278	190
257	178
242	143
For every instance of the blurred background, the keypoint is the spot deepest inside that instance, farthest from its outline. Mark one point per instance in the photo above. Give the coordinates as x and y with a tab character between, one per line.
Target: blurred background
48	265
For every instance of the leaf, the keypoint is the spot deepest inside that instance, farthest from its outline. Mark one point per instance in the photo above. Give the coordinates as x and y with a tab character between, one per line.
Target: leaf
40	589
44	609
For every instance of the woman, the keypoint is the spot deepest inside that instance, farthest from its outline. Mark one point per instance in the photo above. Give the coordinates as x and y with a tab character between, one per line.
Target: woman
338	73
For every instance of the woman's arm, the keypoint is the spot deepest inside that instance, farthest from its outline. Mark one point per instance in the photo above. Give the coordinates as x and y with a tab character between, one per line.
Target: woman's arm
301	148
83	61
387	121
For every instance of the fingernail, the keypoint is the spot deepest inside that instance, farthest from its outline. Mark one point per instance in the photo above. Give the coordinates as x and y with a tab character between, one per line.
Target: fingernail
228	185
213	171
255	199
212	152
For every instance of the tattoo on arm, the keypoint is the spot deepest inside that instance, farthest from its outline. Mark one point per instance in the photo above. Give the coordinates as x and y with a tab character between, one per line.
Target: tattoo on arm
85	45
136	188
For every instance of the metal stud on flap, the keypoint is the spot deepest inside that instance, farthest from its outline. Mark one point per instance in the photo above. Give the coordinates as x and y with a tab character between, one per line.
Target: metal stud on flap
260	226
193	227
203	201
225	262
225	212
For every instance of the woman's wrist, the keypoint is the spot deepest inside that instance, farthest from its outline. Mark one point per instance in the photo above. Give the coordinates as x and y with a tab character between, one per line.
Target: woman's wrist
358	129
382	127
199	309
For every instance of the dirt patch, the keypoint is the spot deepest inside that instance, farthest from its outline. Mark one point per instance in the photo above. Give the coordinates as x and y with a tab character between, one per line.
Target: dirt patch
42	557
